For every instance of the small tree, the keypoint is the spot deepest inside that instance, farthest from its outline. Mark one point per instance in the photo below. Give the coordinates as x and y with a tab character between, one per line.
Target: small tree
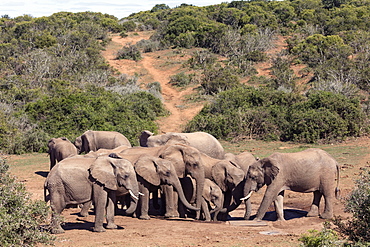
20	217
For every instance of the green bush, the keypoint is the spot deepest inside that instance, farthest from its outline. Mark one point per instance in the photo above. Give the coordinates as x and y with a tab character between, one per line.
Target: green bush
358	203
269	114
129	52
217	79
20	217
181	79
325	237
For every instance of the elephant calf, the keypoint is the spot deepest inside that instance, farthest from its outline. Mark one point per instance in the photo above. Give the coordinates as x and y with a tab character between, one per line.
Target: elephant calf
212	194
311	170
59	149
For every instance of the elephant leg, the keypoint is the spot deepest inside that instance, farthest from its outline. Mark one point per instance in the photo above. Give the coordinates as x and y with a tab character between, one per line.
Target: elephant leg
248	209
170	204
314	211
55	226
328	209
111	204
144	203
205	210
85	209
279	209
270	196
100	202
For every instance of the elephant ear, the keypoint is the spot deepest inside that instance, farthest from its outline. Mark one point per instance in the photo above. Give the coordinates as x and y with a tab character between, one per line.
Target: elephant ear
102	170
227	175
271	170
144	138
147	168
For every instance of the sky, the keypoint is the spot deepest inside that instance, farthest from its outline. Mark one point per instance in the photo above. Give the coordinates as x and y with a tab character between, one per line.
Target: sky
118	8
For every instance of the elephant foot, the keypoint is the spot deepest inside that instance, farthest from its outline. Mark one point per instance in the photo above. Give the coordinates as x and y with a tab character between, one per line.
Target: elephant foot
326	215
58	230
83	214
144	217
111	226
313	213
168	215
99	229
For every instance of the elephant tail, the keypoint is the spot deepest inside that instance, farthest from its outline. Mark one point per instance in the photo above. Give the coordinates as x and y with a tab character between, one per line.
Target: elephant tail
337	190
46	197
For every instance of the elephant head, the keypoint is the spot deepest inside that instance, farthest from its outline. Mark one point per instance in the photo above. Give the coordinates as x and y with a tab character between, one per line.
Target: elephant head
187	160
116	173
259	173
158	171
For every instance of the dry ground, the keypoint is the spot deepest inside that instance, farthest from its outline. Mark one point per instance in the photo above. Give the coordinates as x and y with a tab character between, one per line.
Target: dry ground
33	168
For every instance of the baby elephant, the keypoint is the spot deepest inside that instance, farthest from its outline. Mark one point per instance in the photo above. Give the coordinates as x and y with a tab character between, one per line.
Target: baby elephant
212	197
311	170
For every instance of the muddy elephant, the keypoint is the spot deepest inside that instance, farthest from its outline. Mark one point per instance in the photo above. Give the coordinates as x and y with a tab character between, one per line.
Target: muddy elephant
212	201
59	149
311	170
185	159
95	140
80	180
151	173
202	141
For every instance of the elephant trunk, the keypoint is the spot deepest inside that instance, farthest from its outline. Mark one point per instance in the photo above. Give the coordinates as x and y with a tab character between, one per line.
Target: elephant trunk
200	180
133	204
134	195
237	194
182	198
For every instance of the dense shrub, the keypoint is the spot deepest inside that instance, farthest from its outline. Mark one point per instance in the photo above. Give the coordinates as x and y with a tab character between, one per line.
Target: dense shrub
275	115
181	79
218	78
71	113
358	203
20	217
129	52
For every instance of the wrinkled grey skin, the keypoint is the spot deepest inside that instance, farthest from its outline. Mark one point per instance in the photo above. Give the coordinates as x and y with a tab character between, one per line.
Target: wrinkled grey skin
151	173
243	160
95	140
202	141
185	159
59	149
311	170
212	194
80	180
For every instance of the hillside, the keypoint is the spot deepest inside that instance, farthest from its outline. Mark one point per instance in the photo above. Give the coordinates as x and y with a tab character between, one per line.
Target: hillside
159	66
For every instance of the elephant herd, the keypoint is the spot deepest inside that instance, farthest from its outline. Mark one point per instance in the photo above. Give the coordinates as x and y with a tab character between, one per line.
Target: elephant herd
191	172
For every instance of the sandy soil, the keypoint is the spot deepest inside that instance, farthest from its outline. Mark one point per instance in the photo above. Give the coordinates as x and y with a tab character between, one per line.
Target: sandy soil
184	232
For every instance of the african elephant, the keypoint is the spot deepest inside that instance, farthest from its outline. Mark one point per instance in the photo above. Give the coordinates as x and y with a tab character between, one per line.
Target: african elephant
212	194
311	170
80	180
59	149
94	140
243	160
202	141
185	159
151	172
105	151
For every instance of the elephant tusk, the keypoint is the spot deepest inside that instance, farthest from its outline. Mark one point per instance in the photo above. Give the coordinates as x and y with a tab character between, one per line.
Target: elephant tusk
133	195
247	197
141	194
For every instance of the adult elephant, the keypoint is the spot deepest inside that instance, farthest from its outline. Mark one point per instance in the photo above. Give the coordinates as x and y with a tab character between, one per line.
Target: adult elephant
242	160
94	140
80	180
185	159
151	173
59	149
311	170
212	195
202	141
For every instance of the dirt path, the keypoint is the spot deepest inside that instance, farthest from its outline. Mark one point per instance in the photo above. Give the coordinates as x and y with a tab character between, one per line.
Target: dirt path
151	69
